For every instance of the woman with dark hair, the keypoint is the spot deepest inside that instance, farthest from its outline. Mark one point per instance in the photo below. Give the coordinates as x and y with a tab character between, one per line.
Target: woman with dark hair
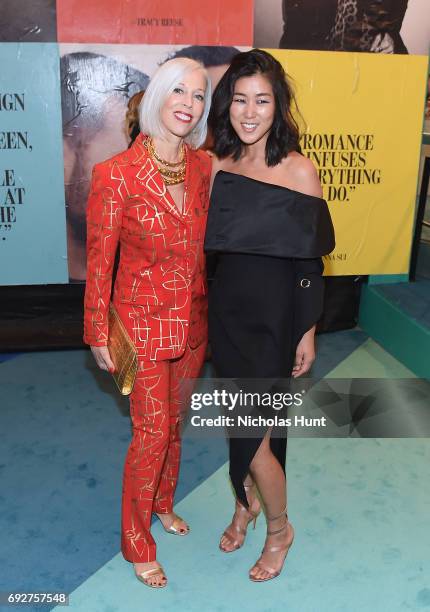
269	227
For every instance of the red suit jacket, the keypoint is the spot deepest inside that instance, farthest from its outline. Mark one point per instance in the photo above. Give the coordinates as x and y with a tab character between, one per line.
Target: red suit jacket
160	287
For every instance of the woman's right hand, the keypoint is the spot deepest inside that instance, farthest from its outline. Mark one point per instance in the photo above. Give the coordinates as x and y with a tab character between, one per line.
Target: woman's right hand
102	357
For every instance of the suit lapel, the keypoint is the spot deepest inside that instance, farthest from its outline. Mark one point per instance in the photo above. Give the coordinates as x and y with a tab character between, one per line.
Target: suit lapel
190	182
148	175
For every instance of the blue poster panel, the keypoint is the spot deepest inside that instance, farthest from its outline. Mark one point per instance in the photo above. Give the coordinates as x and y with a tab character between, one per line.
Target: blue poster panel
33	247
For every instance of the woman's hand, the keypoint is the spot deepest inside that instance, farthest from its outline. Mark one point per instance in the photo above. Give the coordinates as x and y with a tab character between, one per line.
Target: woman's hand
102	357
305	353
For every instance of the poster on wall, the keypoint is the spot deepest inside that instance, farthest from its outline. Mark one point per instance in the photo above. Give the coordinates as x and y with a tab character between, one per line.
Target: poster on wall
371	26
363	133
33	246
219	22
97	82
76	96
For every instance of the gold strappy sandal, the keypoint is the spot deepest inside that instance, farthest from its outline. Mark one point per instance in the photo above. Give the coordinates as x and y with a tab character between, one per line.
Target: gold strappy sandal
175	526
259	564
232	535
156	571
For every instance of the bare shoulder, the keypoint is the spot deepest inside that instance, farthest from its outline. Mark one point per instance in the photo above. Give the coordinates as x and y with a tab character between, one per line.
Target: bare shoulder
302	175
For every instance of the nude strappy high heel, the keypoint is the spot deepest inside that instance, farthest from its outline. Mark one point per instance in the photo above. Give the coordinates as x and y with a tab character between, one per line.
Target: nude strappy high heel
155	571
175	527
259	564
233	530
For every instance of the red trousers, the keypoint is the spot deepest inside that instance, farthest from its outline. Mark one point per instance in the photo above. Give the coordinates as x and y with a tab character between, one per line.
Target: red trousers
157	407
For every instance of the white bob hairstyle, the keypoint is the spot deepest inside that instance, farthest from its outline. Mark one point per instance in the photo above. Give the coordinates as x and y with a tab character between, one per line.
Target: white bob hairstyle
162	84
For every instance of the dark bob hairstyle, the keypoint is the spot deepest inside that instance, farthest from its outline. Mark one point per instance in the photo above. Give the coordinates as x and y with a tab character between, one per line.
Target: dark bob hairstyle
284	134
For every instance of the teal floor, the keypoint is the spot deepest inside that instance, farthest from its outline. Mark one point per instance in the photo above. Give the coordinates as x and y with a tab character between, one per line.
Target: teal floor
360	507
361	540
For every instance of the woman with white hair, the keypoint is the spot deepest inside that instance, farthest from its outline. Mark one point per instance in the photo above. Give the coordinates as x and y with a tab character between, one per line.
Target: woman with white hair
152	200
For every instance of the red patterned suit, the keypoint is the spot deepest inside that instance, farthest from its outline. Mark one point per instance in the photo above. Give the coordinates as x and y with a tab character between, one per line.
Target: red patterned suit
160	295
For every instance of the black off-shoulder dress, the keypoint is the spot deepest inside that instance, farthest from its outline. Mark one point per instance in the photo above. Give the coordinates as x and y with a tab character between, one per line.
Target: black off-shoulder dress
267	289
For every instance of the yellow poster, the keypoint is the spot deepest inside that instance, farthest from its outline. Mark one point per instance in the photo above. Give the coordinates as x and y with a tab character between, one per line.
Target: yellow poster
363	118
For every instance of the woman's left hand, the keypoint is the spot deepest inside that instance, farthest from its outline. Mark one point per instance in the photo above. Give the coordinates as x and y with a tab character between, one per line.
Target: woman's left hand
305	353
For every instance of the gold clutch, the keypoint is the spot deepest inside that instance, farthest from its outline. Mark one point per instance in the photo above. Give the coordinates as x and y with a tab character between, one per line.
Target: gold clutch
122	352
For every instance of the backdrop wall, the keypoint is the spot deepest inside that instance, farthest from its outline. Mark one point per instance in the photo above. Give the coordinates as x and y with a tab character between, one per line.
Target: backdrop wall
69	68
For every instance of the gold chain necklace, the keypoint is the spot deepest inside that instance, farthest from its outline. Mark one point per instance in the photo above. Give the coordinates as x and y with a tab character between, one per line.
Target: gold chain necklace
162	161
165	168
